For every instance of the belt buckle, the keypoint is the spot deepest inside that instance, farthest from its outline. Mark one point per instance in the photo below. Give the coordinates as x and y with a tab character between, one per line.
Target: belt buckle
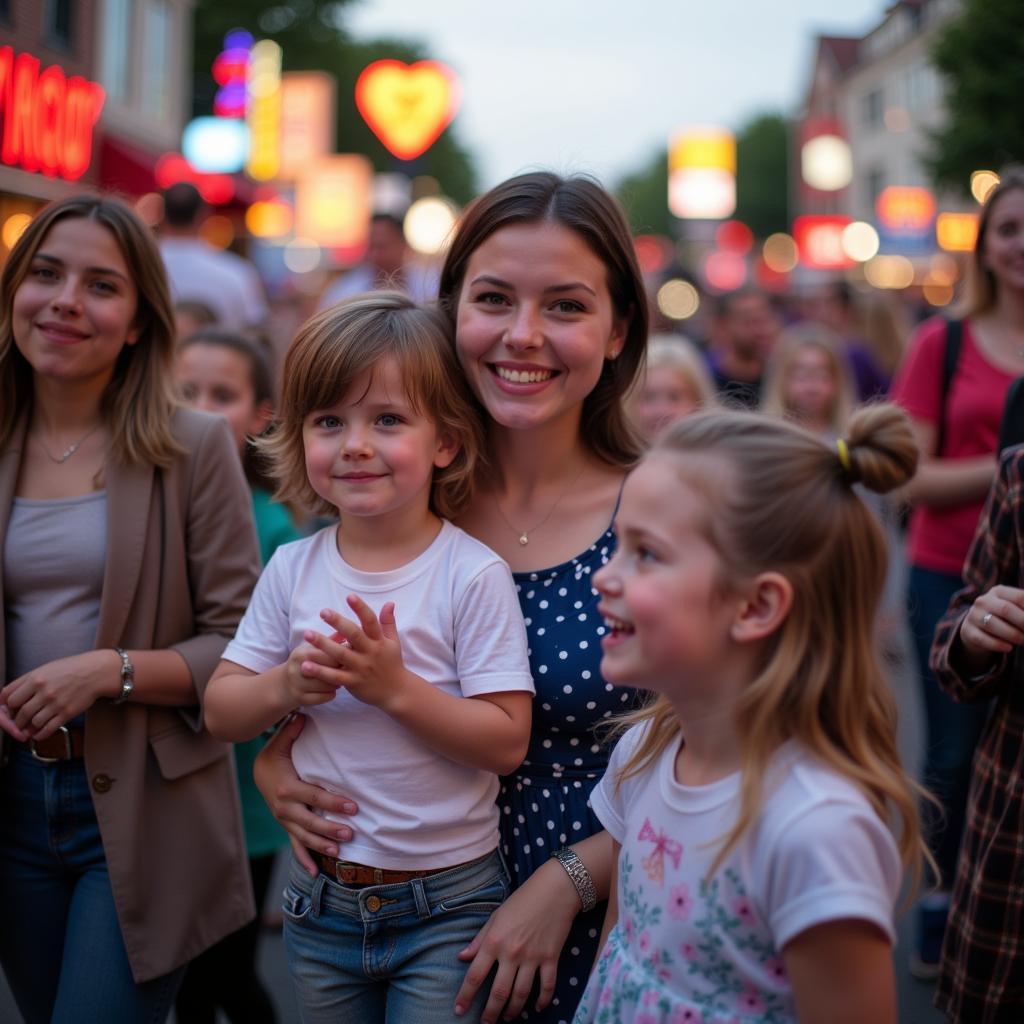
378	876
42	758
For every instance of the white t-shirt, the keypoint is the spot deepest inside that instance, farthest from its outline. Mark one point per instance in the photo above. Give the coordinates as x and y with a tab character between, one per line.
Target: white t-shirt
461	630
685	949
226	282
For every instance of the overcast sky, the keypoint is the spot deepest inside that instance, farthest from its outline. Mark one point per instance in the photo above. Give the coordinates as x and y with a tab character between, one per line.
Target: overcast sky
598	85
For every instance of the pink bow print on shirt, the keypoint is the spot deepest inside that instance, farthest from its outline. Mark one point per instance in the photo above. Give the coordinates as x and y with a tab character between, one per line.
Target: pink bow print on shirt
654	864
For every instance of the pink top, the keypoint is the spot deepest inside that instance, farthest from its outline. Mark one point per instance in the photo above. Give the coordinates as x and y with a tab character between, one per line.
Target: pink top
941	535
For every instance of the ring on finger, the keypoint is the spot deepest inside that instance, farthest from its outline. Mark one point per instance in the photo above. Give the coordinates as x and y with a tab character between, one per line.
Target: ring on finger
986	619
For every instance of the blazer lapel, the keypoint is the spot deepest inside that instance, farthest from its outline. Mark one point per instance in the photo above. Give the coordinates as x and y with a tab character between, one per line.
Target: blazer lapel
129	492
10	463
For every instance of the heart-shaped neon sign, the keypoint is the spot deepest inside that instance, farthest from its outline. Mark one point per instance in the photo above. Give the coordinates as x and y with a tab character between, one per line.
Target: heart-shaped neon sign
407	106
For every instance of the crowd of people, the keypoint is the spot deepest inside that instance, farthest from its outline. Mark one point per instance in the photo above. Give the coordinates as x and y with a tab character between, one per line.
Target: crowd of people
554	647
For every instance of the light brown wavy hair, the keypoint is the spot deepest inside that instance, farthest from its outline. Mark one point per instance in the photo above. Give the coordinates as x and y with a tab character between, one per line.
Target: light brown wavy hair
788	506
340	344
980	291
585	207
140	399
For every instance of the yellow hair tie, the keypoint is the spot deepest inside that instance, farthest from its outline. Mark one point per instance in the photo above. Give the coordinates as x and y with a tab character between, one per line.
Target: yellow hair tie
844	454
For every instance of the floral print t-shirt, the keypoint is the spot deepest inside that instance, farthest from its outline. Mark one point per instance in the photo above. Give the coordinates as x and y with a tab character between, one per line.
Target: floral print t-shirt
687	948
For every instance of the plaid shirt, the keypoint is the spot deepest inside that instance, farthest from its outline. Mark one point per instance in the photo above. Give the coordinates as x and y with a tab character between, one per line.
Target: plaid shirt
982	978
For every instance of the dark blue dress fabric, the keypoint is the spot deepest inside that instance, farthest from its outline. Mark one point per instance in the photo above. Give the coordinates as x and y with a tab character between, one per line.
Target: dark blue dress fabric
545	805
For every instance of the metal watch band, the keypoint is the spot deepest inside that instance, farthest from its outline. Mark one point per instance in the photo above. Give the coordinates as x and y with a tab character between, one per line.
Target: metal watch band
579	876
127	676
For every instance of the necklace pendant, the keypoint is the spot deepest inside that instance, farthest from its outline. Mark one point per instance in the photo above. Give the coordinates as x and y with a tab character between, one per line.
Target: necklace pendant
523	539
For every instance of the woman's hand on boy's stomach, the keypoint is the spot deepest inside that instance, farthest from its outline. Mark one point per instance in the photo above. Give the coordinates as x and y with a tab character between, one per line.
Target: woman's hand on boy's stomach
365	656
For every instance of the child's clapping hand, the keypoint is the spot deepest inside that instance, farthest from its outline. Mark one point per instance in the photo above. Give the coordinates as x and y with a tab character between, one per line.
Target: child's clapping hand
364	657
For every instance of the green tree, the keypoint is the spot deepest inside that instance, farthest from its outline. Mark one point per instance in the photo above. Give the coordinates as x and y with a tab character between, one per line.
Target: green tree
762	174
980	56
312	37
644	194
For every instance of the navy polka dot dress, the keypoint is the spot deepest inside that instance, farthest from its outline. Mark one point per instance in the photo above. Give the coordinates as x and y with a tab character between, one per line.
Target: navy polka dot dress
545	805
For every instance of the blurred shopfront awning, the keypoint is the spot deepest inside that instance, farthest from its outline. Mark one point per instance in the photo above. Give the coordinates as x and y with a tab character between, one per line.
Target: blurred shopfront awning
126	167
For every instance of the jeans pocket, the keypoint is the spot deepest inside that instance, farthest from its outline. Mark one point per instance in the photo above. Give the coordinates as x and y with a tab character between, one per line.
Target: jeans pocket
295	905
485	898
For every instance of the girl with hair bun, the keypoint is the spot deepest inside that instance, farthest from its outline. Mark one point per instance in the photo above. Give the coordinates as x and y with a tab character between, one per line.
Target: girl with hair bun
750	803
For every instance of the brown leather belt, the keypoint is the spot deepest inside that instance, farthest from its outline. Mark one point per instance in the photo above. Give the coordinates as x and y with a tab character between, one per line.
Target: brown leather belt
66	743
347	873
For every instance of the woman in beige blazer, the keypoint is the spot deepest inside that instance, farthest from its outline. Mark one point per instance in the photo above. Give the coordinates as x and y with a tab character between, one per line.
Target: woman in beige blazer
128	555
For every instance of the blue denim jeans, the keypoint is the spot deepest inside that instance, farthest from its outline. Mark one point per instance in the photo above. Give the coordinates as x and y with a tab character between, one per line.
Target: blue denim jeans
60	942
952	729
387	953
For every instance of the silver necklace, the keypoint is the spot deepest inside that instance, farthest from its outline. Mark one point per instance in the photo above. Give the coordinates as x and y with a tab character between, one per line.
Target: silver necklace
71	448
524	535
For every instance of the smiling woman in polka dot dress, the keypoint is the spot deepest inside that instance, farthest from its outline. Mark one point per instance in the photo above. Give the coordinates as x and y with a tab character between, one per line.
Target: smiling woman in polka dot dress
550	322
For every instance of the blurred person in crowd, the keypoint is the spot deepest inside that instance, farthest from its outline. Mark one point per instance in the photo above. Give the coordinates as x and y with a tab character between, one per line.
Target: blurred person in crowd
886	326
191	316
746	330
807	380
957	424
549	318
977	657
387	263
229	375
226	282
675	382
833	304
128	558
753	803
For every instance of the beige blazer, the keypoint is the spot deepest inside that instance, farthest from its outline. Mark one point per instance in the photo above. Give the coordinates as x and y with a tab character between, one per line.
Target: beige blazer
181	561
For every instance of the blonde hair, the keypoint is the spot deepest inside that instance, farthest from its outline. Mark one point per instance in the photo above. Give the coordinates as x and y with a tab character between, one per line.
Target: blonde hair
788	506
980	291
683	356
792	342
340	344
140	400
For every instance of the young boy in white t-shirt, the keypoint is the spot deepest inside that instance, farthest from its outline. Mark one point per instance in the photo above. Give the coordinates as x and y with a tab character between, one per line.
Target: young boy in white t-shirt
415	724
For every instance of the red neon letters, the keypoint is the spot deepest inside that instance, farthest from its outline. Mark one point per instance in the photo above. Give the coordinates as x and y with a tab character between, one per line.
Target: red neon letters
48	118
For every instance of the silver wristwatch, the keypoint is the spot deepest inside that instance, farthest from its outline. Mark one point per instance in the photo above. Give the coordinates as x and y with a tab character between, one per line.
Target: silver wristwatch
579	876
127	676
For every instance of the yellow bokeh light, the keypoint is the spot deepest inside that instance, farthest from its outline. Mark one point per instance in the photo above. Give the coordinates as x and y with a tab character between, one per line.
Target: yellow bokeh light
889	272
956	232
982	182
780	253
678	300
860	241
13	228
428	224
269	219
826	163
218	231
937	294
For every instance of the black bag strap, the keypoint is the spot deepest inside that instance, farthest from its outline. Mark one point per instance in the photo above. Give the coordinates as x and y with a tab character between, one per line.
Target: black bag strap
950	357
1011	430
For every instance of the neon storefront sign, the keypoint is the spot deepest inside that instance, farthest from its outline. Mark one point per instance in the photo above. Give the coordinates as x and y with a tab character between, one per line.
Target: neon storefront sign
48	118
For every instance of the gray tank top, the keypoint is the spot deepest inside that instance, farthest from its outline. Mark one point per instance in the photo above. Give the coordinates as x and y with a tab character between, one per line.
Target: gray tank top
53	561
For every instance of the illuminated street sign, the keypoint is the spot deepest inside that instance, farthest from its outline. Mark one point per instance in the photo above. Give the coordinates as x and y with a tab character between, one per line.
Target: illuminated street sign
819	241
48	118
407	106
